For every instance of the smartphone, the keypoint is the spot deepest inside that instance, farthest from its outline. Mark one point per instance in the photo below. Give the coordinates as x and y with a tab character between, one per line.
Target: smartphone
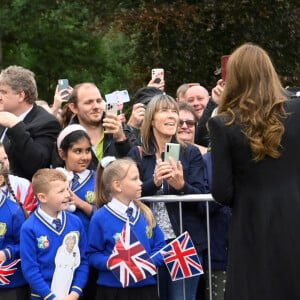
157	73
172	150
224	60
112	108
64	84
118	97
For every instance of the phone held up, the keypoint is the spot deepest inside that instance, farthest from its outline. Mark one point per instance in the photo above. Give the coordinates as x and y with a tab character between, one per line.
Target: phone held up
112	108
172	150
224	60
62	85
157	75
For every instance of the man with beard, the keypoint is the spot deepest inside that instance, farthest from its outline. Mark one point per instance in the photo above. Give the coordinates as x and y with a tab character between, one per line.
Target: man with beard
108	134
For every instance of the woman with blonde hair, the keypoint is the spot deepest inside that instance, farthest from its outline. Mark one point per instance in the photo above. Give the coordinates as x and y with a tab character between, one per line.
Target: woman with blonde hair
161	177
256	171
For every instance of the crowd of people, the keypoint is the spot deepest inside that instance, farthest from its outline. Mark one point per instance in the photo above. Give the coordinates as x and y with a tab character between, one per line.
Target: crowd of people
72	176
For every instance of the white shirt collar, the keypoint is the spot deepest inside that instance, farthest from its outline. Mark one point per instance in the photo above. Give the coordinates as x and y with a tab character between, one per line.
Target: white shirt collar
47	217
120	208
23	115
82	175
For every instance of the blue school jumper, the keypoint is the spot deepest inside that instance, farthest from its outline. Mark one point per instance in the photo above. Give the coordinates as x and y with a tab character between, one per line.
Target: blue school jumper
11	220
39	244
104	227
86	192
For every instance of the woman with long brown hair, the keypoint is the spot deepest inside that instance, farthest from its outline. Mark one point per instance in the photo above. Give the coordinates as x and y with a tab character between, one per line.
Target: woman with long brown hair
256	171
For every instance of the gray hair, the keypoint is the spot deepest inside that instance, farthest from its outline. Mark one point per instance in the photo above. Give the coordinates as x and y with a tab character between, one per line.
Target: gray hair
20	79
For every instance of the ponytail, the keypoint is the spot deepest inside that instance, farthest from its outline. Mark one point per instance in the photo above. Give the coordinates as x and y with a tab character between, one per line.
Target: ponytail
147	213
102	196
5	173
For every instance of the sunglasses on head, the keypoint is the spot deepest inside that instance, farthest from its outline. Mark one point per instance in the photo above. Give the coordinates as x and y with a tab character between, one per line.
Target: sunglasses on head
189	123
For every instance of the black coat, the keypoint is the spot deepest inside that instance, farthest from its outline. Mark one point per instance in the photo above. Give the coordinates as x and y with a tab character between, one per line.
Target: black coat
29	144
264	243
201	135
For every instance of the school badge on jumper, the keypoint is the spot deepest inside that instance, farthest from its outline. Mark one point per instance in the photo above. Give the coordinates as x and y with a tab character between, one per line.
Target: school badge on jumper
117	236
2	229
90	197
149	232
43	242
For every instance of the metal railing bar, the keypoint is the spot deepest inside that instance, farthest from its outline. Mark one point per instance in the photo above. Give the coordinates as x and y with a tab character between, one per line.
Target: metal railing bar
189	198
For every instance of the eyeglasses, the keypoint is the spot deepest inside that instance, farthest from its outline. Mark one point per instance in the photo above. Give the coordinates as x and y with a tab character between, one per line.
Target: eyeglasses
188	123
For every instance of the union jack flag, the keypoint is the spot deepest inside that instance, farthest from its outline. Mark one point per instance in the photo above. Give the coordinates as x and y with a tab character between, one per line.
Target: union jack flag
6	271
129	260
181	258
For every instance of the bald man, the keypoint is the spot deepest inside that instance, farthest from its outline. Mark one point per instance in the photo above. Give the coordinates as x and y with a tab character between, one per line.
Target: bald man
198	97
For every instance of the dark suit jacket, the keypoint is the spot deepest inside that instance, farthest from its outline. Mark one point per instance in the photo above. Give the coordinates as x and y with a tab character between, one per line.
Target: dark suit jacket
29	144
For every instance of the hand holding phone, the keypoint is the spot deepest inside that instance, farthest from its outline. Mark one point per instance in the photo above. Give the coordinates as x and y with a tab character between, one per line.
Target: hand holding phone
224	60
113	125
112	108
173	175
63	84
172	150
157	74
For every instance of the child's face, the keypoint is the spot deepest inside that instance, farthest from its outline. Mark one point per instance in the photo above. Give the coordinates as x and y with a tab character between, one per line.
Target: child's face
78	156
56	199
130	186
3	156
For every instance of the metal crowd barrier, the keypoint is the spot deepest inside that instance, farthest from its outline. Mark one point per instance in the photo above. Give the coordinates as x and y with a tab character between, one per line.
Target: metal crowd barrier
189	198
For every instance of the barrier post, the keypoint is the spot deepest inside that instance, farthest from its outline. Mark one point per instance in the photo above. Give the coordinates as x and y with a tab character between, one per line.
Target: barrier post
181	231
189	198
208	250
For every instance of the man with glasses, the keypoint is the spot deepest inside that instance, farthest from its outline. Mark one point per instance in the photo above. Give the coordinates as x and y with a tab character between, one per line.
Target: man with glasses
188	121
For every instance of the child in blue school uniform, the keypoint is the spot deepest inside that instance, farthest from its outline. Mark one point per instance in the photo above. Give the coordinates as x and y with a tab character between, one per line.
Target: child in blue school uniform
118	190
74	155
13	285
74	148
53	242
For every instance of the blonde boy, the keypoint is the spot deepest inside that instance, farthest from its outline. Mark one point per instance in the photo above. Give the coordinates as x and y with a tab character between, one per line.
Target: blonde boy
44	233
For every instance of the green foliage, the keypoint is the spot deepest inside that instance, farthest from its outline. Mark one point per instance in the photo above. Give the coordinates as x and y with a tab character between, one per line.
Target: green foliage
54	42
116	43
118	54
187	38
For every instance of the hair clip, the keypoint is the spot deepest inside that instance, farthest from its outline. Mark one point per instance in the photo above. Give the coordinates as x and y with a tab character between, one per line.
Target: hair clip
106	161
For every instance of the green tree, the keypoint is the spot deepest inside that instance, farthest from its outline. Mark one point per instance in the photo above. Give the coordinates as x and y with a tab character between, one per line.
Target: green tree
116	43
53	39
188	38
